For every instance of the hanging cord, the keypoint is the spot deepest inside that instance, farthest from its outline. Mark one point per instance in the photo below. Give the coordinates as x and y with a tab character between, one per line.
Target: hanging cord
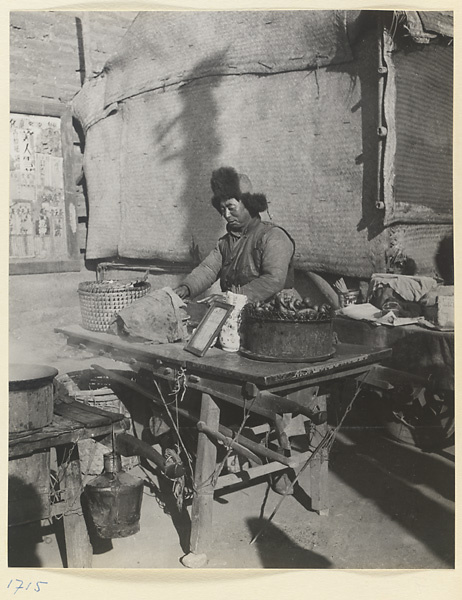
176	427
72	509
326	442
180	386
179	484
268	486
216	474
213	478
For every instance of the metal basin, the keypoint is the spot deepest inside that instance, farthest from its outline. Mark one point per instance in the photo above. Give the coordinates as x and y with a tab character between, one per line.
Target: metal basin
30	396
286	341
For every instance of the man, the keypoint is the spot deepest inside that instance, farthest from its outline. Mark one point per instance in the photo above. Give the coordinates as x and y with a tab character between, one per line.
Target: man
254	257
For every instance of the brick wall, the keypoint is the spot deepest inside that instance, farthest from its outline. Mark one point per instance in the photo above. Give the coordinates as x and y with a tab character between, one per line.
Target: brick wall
46	49
47	62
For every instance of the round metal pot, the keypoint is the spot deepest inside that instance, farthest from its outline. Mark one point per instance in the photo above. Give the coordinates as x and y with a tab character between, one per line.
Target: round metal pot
30	397
286	341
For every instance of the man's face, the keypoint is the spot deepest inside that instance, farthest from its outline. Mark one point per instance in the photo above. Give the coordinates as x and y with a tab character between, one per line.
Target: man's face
235	213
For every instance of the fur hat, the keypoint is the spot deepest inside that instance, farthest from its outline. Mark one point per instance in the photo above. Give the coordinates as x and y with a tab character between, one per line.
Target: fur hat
254	203
227	183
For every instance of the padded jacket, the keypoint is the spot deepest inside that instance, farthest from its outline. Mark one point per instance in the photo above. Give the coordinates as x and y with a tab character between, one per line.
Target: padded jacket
257	262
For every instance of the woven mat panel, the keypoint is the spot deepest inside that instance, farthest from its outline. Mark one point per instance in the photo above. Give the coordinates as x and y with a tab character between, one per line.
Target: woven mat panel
164	48
419	242
88	104
165	176
419	101
296	136
102	174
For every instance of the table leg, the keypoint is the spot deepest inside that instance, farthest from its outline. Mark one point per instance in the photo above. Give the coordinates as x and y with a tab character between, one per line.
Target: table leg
78	547
202	506
280	423
319	467
281	481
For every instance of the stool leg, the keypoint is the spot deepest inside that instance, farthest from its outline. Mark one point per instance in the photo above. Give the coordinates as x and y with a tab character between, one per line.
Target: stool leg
202	506
78	547
319	467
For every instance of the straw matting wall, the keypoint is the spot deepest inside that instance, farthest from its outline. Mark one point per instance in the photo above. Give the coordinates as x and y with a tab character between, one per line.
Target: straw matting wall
102	174
420	242
419	109
294	135
166	48
306	138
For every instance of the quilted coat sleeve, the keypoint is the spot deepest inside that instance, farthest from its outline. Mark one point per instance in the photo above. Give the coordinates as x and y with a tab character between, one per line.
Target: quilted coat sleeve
205	274
277	252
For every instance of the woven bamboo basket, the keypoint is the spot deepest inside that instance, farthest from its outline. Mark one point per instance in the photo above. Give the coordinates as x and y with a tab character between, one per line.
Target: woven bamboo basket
92	388
100	301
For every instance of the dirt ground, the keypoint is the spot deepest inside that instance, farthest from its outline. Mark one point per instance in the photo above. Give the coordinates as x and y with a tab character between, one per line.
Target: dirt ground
391	504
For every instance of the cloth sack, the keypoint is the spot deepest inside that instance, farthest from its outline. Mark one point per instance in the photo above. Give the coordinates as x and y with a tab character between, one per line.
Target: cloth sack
160	316
408	287
400	293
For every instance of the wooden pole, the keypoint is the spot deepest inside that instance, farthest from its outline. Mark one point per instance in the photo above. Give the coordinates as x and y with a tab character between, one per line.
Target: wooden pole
202	506
229	442
86	44
128	445
319	467
78	547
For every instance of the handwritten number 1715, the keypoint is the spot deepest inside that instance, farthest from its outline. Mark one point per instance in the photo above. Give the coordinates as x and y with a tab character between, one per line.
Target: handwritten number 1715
20	585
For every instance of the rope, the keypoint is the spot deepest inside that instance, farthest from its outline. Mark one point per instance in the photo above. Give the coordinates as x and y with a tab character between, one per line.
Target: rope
326	442
71	509
180	388
213	478
176	427
216	474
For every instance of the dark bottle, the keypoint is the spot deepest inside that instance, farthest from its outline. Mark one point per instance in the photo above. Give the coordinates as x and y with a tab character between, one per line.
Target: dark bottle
114	500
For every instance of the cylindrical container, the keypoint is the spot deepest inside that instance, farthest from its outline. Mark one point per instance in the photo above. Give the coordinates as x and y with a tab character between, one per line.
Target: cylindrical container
287	341
114	500
229	336
348	298
30	397
391	306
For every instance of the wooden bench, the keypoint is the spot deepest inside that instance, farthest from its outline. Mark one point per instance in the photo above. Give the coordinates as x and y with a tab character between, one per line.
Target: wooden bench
30	496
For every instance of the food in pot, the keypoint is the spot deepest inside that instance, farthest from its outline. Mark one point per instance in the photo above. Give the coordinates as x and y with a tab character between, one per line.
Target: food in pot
284	308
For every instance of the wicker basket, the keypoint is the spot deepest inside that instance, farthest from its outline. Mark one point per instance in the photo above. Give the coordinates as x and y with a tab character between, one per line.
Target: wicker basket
100	301
92	388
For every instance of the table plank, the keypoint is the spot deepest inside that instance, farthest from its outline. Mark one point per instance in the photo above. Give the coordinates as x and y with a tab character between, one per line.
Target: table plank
226	364
416	350
71	423
89	416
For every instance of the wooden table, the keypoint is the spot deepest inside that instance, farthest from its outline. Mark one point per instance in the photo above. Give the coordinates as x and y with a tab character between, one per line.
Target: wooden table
71	423
428	353
273	390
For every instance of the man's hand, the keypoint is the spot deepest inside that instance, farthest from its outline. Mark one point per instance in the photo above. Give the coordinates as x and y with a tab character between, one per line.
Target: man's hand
182	291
